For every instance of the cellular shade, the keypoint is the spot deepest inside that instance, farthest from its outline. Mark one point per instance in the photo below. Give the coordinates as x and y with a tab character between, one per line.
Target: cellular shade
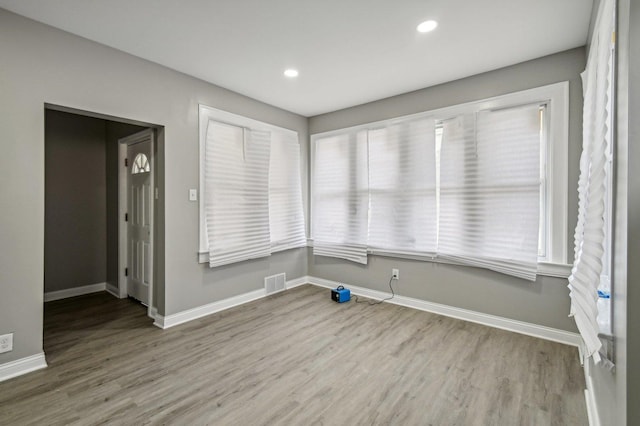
236	193
489	190
340	196
402	187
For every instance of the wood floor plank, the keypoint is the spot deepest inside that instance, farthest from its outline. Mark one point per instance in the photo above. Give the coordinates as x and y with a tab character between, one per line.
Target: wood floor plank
292	358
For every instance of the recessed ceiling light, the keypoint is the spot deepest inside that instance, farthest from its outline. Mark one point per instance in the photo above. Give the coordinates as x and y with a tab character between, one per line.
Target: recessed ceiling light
291	73
427	26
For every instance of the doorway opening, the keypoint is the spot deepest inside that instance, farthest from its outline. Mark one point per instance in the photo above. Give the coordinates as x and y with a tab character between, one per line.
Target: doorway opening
89	244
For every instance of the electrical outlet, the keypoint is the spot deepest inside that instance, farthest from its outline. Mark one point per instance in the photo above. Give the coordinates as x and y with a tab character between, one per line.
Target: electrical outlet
395	274
6	343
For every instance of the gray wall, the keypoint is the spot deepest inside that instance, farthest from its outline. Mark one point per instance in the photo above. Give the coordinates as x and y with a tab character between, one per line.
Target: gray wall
81	199
545	301
75	201
42	65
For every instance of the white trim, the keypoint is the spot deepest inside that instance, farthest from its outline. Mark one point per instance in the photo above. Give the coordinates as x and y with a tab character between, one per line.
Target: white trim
581	353
75	291
534	330
557	270
521	97
208	309
296	282
22	366
113	290
590	400
211	308
203	257
558	175
122	226
123	144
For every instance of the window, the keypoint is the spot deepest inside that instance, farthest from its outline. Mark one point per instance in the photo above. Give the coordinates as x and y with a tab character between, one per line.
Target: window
140	164
489	189
251	194
341	192
236	195
604	317
483	183
286	217
591	265
402	187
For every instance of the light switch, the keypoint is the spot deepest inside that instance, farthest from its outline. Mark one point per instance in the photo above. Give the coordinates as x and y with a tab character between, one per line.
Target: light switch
193	195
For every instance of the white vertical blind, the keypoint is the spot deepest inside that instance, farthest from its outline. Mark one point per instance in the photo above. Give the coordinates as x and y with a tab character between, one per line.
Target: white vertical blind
286	217
236	193
590	229
402	187
489	190
341	197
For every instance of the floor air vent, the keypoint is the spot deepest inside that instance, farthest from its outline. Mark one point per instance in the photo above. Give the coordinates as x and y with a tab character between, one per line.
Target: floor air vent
274	283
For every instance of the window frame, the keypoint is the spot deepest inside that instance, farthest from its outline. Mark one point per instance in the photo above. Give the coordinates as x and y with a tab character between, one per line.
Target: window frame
606	328
206	113
556	98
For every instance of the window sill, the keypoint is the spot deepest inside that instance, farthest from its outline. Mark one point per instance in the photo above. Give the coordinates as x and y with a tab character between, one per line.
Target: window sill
203	256
558	270
547	269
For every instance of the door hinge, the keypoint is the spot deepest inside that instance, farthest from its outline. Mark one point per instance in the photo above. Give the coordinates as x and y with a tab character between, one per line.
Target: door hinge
126	217
126	162
126	272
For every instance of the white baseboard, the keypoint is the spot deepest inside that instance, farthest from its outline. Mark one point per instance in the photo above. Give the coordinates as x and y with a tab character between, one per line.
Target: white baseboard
590	397
208	309
521	327
211	308
76	291
204	310
113	290
592	412
297	282
22	366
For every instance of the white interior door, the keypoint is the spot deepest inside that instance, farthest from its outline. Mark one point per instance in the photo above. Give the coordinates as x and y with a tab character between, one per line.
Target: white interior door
139	219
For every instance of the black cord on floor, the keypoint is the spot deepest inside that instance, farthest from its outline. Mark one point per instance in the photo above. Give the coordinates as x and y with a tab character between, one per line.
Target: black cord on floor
379	301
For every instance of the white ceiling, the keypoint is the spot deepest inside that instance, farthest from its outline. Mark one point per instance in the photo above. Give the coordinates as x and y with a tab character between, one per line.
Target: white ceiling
348	52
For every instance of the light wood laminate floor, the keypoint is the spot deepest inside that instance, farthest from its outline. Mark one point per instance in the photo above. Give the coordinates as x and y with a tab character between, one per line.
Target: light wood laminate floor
295	358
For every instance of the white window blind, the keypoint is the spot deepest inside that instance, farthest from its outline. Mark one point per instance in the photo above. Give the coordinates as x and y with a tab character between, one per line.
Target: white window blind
236	193
340	196
590	234
482	184
286	217
490	190
402	187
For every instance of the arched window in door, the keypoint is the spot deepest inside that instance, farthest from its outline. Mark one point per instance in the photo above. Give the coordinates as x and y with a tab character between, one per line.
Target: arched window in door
140	164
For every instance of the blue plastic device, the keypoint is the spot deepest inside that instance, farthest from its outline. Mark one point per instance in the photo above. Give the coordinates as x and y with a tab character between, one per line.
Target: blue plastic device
340	294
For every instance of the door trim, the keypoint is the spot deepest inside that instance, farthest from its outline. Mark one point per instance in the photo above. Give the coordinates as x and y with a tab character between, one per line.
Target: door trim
123	253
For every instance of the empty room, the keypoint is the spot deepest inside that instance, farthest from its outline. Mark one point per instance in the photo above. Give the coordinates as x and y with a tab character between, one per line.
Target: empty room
290	212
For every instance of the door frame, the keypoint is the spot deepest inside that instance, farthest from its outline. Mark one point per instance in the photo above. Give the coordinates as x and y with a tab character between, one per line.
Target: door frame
123	251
